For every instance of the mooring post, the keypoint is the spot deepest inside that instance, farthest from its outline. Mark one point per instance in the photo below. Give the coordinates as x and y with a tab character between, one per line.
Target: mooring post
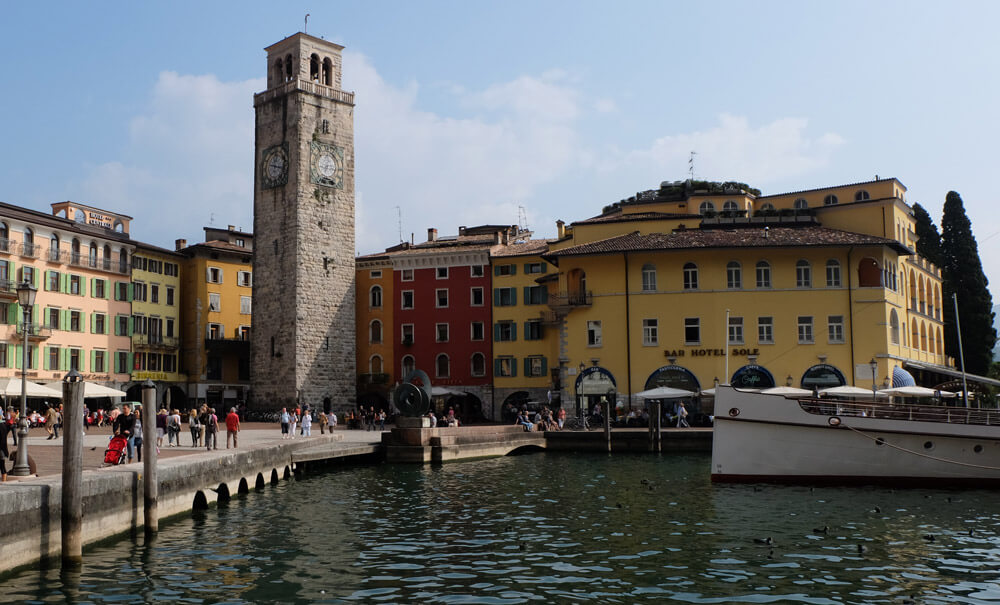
650	428
659	426
150	486
72	471
607	425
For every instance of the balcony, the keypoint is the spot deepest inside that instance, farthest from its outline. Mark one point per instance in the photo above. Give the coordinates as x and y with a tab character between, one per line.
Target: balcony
5	246
55	256
219	344
36	332
160	343
76	259
550	318
30	250
8	289
371	379
570	300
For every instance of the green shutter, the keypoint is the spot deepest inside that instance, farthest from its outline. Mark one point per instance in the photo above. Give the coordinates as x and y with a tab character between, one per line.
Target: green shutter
34	315
92	288
131	293
545	267
45	362
513	294
17	356
496	297
527	269
513	367
131	328
131	363
513	331
14	313
527	366
527	332
545	366
496	332
93	360
496	273
92	322
513	268
496	367
107	288
527	294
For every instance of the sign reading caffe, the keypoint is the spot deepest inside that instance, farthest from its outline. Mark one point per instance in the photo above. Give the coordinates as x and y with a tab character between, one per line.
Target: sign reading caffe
709	352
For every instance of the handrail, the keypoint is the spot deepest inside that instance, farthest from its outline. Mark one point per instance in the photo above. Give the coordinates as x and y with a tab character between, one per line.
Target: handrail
886	411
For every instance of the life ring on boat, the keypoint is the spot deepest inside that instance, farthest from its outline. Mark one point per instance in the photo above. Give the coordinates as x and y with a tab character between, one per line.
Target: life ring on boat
834	421
734	412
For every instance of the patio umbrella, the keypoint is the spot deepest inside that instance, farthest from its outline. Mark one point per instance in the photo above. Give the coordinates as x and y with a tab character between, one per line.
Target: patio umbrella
786	391
441	392
664	393
92	390
11	387
849	391
916	392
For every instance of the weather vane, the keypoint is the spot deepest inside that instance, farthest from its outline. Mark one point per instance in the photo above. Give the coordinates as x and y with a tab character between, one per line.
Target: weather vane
305	30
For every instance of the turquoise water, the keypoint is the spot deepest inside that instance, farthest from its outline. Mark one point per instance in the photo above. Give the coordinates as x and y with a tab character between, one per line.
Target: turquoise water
550	528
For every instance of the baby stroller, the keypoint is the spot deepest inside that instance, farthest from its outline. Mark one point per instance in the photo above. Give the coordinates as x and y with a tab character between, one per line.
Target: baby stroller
115	453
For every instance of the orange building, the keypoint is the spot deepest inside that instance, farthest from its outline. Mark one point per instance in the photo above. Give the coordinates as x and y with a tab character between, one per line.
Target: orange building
374	329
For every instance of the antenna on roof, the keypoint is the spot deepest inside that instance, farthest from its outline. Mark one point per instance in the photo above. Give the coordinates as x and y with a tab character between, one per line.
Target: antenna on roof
399	223
305	30
522	219
691	165
211	218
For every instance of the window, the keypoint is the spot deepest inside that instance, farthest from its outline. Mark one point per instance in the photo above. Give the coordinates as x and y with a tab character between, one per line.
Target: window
593	333
140	324
406	275
861	196
100	323
805	323
690	276
477	271
830	200
52	281
442	333
504	297
139	291
478	331
442	366
170	296
442	298
213	367
154	294
121	326
98	363
534	268
441	273
100	288
534	366
244	278
801	204
214	301
650	332
835	326
53	319
499	270
375	274
122	291
74	359
734	275
123	261
505	331
706	207
894	327
767	207
406	333
533	329
3	355
477	297
170	365
214	275
121	363
407	299
75	325
763	274
692	330
216	332
74	284
243	333
730	206
53	359
478	364
375	297
765	330
832	274
735	330
536	295
506	367
54	248
803	274
375	364
408	364
648	278
375	332
169	332
246	305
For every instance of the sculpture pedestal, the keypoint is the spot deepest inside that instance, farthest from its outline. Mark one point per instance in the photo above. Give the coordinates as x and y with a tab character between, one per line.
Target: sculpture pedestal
421	422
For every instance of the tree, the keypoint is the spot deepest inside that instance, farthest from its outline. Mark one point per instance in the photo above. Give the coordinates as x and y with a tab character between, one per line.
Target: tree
962	274
928	238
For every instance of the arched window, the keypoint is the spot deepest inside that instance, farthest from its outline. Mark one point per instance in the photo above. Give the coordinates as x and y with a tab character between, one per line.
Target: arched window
277	73
375	298
801	204
937	300
734	275
29	242
478	364
375	332
327	72
442	366
913	290
289	69
914	334
767	207
314	67
375	364
861	196
923	296
893	327
690	276
705	207
648	278
93	254
803	274
123	261
408	365
833	273
75	249
830	200
730	206
106	261
939	341
4	232
54	248
923	336
763	274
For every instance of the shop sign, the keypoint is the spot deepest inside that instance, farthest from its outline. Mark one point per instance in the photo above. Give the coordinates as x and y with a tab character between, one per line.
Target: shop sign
149	376
710	352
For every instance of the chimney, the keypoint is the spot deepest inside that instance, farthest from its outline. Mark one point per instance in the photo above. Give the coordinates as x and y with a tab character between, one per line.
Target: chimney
432	234
461	230
560	229
180	244
496	238
232	227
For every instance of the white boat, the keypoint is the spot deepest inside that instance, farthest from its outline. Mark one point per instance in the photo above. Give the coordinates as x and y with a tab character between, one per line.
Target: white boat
761	437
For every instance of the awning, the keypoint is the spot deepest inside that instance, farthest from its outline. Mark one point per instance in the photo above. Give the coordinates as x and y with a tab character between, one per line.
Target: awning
931	367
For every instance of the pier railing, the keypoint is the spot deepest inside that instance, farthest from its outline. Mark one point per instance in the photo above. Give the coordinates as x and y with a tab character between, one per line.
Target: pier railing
916	413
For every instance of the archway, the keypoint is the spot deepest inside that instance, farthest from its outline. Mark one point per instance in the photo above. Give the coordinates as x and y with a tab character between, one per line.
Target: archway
822	376
595	386
752	376
375	400
514	402
174	397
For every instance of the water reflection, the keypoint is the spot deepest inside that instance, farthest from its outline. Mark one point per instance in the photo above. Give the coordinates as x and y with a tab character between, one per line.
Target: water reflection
550	527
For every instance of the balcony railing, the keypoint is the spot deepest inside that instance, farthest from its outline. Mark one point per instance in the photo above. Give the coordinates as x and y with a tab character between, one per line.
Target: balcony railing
35	331
5	245
571	299
55	256
29	250
155	341
8	289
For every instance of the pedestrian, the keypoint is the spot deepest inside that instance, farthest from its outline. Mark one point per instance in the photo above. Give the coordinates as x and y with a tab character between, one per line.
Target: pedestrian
174	428
161	426
11	422
323	422
292	422
4	454
232	427
124	425
333	420
137	440
211	423
381	420
307	423
682	415
195	425
285	420
51	422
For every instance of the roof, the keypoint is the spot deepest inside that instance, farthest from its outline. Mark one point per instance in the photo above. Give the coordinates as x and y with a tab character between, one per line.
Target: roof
616	216
218	245
529	248
58	222
157	249
831	187
446	245
755	237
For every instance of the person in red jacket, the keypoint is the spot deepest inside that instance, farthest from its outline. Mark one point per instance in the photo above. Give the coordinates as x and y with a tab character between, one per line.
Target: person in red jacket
232	426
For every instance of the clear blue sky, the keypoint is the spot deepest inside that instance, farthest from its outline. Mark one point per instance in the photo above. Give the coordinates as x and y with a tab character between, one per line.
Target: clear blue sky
468	110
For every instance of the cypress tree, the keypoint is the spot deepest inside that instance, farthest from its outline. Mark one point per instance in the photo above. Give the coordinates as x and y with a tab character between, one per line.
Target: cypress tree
962	274
928	238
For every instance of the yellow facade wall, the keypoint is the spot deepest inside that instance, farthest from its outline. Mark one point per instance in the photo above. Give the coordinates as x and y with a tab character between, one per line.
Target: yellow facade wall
156	299
375	348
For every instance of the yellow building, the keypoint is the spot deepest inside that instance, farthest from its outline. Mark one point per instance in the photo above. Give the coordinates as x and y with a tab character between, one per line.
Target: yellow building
374	329
697	283
216	289
155	323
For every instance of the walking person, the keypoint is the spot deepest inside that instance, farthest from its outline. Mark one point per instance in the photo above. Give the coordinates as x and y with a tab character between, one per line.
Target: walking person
4	453
381	420
332	417
124	425
137	440
52	422
323	422
232	427
292	422
174	429
161	426
195	425
211	424
285	420
307	423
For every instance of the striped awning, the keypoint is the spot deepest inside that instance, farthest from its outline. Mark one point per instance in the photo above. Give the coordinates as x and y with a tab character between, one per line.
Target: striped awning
902	378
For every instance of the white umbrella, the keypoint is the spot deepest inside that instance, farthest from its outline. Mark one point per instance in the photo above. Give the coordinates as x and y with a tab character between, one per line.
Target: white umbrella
92	390
916	392
664	393
441	391
710	392
849	391
11	387
786	391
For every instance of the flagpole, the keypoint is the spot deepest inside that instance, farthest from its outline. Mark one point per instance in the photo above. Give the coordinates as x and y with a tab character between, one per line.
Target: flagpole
726	342
961	355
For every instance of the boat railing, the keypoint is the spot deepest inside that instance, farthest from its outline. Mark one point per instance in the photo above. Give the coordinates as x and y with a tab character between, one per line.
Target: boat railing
888	411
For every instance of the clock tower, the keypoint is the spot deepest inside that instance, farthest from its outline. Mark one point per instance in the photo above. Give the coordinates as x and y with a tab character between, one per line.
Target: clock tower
303	335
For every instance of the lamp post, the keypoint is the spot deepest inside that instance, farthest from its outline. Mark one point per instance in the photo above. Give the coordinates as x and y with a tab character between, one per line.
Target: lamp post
25	298
874	365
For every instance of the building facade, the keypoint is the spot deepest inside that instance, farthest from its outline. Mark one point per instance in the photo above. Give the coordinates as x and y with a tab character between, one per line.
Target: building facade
375	329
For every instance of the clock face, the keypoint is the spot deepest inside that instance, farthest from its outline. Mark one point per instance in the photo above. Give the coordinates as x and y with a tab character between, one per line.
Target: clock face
274	167
327	165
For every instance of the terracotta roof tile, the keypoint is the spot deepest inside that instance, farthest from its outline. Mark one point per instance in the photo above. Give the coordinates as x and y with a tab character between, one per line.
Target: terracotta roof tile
617	216
528	248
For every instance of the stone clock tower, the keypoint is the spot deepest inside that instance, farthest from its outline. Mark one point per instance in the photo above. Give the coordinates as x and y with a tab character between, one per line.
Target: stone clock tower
302	344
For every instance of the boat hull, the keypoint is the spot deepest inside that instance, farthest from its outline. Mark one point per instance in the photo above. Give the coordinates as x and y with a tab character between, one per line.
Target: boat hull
766	438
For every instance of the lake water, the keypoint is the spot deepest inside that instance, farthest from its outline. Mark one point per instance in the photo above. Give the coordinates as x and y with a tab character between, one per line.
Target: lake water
550	528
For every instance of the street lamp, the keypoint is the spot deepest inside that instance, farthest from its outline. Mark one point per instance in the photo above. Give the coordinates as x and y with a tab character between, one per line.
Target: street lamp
25	298
874	365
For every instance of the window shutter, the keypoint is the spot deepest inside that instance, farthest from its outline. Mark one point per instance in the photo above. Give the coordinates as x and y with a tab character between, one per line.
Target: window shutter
93	323
545	366
92	360
545	267
92	288
496	272
526	271
513	331
45	362
64	283
527	294
130	363
513	269
513	367
496	297
34	315
130	292
496	367
496	332
17	356
14	313
131	327
545	295
527	366
513	295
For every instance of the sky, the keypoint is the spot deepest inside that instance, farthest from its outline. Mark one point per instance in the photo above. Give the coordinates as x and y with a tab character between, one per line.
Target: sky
503	112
